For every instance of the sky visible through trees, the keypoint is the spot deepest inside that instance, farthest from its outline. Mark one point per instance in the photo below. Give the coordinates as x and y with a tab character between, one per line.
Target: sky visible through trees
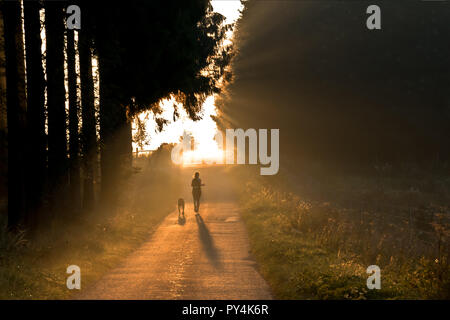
203	130
71	95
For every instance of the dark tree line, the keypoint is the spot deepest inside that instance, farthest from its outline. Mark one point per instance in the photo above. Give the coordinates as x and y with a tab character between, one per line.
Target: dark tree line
16	111
145	51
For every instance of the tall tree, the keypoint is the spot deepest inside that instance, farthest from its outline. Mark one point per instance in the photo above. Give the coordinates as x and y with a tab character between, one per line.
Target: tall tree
179	43
146	52
73	123
3	116
113	113
88	130
57	141
36	137
113	125
16	113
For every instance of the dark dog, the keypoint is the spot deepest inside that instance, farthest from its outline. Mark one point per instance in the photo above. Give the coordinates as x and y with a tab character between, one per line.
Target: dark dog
181	206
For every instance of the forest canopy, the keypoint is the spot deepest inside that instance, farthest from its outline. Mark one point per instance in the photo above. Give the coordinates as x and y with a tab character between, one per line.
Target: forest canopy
144	50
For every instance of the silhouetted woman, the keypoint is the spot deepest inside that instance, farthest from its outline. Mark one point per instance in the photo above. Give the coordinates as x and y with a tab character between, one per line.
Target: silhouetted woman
196	190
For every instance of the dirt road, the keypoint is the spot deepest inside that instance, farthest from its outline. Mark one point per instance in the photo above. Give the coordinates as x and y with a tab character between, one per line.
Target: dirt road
205	257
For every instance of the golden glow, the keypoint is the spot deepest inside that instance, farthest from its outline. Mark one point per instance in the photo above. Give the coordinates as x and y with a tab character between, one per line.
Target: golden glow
206	151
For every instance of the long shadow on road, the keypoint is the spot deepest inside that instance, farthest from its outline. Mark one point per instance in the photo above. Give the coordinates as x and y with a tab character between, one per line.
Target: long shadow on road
207	242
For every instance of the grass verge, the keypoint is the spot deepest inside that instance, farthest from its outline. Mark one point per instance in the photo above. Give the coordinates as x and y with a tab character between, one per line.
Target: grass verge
96	242
319	250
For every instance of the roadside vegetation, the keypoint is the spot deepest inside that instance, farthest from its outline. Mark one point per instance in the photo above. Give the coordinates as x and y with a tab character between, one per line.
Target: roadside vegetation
35	268
317	242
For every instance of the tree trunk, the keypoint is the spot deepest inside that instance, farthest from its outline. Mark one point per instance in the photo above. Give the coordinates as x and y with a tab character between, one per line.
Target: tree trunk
16	113
125	138
3	118
108	117
36	137
73	123
88	131
115	137
113	124
57	141
127	145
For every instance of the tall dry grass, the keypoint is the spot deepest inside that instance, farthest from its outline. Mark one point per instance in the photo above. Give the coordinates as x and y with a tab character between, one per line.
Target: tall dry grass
35	268
320	247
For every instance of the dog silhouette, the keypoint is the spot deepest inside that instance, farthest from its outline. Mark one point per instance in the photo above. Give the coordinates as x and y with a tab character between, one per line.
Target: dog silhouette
181	207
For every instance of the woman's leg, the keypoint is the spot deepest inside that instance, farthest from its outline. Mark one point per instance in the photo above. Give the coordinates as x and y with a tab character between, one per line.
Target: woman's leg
194	195
198	201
